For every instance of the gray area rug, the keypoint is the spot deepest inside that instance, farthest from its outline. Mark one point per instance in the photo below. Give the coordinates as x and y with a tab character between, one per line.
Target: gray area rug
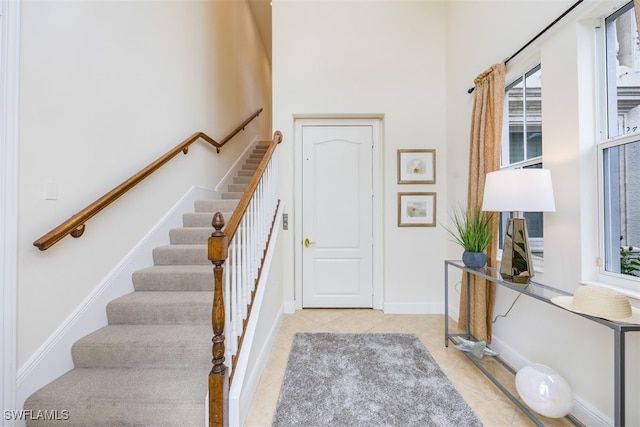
367	380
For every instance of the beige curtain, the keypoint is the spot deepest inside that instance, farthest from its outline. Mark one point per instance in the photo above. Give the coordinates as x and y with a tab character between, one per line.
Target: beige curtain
636	6
484	156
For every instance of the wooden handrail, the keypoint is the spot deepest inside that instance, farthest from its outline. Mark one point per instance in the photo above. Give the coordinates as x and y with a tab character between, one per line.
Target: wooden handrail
236	217
76	224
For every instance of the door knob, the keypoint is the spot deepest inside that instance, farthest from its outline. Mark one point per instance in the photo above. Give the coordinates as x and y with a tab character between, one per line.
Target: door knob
308	242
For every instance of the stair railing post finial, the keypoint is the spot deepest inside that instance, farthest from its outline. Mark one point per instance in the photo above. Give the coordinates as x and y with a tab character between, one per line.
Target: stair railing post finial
219	375
277	137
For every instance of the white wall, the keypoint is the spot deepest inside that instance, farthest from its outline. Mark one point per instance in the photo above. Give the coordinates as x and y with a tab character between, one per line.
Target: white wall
106	88
355	58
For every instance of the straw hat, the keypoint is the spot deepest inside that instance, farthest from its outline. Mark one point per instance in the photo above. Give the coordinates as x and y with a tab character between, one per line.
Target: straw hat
600	302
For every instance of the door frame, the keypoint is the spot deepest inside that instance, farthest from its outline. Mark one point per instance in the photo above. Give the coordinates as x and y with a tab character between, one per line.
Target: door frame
9	74
376	121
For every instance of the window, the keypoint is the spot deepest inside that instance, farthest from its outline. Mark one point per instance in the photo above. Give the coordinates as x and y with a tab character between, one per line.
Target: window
619	148
522	142
522	133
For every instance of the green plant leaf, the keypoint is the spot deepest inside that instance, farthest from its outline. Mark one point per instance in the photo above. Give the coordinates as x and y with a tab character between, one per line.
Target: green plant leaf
471	229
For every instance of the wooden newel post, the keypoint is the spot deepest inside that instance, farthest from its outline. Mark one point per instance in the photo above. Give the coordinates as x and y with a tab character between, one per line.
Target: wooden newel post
219	375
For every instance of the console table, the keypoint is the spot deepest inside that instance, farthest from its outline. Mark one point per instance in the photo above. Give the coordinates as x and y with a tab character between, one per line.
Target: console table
543	293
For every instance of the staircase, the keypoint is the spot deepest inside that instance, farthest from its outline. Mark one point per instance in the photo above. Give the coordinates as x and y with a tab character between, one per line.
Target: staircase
149	365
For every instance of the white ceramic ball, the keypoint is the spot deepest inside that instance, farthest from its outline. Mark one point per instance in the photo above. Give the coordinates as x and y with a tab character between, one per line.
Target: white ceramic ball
544	390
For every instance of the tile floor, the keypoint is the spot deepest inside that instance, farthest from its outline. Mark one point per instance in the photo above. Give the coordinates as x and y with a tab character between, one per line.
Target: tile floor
490	405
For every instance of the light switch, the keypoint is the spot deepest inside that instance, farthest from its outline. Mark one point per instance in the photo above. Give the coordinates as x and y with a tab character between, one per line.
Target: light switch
51	190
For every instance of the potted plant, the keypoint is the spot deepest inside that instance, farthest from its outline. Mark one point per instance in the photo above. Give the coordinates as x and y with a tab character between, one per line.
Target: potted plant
472	231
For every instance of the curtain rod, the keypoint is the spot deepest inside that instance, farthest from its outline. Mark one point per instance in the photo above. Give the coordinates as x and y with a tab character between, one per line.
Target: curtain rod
566	12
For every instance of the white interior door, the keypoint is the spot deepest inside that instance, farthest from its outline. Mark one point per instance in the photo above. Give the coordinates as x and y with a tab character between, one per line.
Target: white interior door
337	216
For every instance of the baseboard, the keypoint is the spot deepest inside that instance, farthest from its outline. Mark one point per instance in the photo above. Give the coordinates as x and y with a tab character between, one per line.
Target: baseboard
454	312
582	410
53	358
289	307
412	308
589	415
245	378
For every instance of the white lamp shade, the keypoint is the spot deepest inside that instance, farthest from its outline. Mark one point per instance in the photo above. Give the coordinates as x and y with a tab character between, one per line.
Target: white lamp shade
521	190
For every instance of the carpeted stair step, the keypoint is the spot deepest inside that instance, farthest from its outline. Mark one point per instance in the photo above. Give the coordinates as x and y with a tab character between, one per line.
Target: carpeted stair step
250	167
181	255
241	179
161	308
144	347
190	235
181	278
232	195
237	188
248	173
202	219
215	205
125	397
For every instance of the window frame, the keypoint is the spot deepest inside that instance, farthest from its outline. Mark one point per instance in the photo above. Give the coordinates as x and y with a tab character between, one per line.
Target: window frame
618	279
504	148
602	142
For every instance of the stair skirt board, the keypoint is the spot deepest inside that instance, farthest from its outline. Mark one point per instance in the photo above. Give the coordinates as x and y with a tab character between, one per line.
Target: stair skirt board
53	358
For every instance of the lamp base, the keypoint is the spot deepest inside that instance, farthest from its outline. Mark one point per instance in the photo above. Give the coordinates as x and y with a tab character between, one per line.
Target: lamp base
516	265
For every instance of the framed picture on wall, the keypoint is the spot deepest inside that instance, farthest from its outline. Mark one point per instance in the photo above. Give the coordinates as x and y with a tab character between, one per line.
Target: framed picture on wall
417	166
416	209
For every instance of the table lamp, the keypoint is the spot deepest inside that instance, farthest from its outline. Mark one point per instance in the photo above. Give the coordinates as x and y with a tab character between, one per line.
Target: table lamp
518	191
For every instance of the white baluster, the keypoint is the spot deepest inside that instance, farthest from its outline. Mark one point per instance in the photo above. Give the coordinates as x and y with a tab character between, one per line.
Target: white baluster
254	239
227	314
233	331
236	288
244	266
259	223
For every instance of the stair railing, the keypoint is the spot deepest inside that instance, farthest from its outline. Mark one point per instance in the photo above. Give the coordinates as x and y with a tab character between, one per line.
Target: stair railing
75	225
241	245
